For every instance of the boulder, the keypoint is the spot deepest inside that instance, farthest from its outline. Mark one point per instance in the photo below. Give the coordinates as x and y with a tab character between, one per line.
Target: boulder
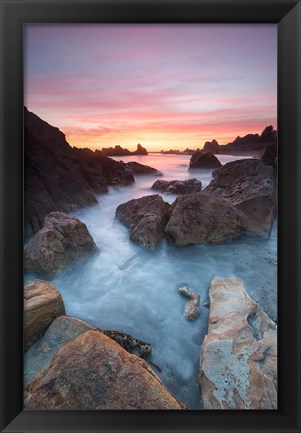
238	362
201	159
61	241
192	308
199	218
60	332
65	329
137	168
250	186
146	218
178	186
93	372
42	304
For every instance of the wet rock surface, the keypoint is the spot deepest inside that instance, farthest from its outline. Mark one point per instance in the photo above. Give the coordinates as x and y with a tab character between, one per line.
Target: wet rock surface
199	218
250	186
146	218
62	241
178	186
92	372
42	304
238	361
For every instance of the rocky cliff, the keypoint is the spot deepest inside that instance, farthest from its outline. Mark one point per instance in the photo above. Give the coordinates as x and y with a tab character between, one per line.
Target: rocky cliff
242	145
58	177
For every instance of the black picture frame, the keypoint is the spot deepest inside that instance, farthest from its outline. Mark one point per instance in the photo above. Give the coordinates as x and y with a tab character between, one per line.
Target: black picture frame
287	14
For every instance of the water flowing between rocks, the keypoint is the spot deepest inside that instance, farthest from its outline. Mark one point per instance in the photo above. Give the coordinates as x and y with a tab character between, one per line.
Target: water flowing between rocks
134	290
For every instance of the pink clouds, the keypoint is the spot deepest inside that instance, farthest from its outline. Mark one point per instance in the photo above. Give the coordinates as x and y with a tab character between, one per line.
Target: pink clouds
158	85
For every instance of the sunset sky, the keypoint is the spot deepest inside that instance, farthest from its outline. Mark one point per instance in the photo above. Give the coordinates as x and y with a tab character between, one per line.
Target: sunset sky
164	86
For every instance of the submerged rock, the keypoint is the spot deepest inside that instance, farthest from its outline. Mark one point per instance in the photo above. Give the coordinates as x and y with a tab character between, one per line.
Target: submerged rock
42	304
178	186
192	308
199	218
146	218
137	168
238	362
250	186
201	159
94	372
61	241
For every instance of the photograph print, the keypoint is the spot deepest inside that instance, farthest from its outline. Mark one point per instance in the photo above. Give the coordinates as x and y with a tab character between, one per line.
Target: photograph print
150	216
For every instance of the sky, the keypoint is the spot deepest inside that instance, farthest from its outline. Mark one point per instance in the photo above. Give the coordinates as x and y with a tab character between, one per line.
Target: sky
168	86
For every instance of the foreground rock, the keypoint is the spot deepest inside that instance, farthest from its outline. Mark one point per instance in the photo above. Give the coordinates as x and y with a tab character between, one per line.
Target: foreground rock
137	168
65	329
206	160
60	332
178	186
42	304
199	218
238	363
58	177
250	186
192	308
146	218
92	372
61	241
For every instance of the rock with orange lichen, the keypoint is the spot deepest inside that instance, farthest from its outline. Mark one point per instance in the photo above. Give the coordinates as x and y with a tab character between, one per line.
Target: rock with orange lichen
94	372
42	304
238	362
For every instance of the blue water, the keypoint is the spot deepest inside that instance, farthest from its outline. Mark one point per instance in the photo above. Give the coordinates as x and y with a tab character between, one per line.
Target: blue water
134	290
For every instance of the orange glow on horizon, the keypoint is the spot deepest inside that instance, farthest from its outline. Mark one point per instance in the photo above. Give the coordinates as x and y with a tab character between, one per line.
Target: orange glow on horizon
157	141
